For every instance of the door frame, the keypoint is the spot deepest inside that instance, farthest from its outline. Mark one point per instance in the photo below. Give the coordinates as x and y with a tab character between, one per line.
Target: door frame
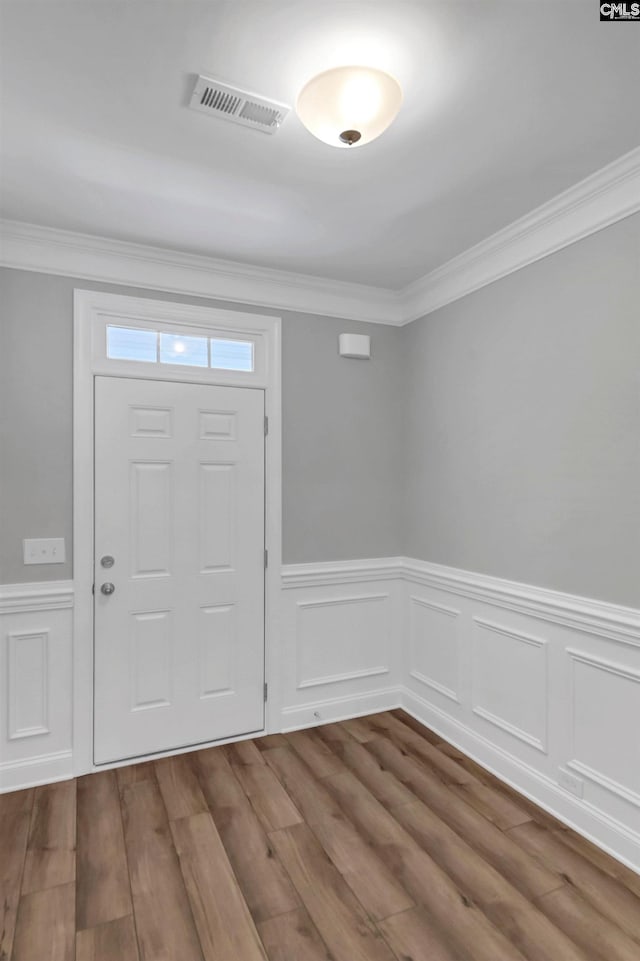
92	311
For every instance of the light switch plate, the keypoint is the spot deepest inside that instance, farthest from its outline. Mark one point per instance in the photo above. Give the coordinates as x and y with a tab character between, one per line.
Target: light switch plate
44	550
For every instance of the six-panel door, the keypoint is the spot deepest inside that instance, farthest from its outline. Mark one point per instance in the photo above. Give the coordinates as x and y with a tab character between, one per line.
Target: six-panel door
179	506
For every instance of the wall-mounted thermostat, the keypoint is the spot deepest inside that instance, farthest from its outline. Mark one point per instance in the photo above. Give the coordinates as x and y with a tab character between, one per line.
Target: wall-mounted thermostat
355	345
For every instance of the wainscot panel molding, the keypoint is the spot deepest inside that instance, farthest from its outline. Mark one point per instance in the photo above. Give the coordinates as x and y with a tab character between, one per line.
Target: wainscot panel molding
548	694
341	640
605	197
599	618
609	195
24	598
329	573
36	673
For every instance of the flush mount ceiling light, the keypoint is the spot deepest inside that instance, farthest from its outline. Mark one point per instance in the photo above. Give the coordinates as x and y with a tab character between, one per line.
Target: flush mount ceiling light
349	106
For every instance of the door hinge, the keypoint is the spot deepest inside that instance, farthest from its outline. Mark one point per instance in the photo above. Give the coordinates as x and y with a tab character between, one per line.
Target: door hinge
93	588
266	690
266	559
266	426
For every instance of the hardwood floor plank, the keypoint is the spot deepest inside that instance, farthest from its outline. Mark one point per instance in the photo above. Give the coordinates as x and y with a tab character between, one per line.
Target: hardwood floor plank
422	878
596	935
417	726
223	920
103	892
270	801
218	781
534	812
293	937
46	928
525	925
382	784
369	879
380	724
388	726
164	923
179	786
522	869
413	934
51	848
337	914
262	879
504	809
375	886
359	729
244	753
600	859
494	805
316	754
113	941
142	808
607	895
334	733
269	741
310	798
132	773
15	816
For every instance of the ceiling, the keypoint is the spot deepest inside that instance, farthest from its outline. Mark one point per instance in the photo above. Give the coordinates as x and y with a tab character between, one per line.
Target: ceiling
507	103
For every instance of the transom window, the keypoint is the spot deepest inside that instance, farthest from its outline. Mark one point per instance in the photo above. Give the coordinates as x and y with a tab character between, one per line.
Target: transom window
186	350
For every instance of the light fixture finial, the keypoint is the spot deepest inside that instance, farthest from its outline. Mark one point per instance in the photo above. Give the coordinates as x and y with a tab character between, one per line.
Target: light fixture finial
349	106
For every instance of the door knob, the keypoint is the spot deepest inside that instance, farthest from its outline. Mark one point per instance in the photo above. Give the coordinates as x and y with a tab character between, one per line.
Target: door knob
108	588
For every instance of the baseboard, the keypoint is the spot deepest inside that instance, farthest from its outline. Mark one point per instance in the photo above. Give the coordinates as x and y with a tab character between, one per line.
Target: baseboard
612	836
340	708
30	772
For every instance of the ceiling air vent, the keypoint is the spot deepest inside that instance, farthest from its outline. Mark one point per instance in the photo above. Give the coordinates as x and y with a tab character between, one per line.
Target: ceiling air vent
239	106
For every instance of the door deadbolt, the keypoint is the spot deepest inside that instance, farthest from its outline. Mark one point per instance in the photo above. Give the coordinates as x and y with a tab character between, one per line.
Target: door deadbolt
107	560
108	588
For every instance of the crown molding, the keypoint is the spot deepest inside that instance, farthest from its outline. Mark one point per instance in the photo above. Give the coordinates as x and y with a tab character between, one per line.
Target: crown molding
87	257
609	195
605	197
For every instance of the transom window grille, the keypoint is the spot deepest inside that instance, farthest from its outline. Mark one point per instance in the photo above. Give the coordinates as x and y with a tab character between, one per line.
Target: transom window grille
152	346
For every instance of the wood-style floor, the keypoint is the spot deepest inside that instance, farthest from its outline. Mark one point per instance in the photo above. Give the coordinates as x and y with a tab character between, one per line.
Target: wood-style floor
369	840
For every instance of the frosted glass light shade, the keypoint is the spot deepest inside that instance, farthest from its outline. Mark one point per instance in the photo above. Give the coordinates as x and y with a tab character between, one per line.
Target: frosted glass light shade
349	106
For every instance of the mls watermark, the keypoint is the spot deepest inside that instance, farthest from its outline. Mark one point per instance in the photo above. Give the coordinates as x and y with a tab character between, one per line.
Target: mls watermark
620	11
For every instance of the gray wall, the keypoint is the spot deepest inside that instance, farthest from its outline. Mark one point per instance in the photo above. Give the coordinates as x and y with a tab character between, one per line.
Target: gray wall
341	448
522	424
499	434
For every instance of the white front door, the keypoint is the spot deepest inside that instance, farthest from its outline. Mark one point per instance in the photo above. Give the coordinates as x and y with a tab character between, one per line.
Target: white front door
179	565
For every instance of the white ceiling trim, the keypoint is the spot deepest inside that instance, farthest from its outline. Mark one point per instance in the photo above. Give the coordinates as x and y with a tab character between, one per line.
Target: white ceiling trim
52	251
609	195
605	197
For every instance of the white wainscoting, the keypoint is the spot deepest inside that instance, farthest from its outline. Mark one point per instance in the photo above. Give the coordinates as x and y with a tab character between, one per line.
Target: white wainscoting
547	693
35	683
342	641
540	687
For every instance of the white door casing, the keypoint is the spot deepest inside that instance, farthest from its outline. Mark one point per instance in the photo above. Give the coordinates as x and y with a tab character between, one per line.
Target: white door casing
93	311
179	509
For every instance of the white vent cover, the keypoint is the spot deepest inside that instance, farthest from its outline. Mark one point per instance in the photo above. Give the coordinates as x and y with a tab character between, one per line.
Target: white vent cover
239	106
